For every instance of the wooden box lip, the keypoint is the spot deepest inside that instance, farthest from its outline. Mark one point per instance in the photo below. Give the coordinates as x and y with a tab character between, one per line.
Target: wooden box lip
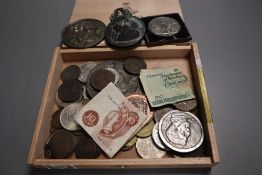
131	163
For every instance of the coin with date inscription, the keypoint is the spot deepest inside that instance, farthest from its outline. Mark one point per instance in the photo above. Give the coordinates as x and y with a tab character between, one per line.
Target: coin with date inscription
67	117
181	131
164	26
147	149
83	33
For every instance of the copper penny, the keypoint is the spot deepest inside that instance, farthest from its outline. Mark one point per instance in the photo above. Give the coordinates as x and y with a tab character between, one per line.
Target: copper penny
55	121
134	64
101	78
71	72
86	148
62	144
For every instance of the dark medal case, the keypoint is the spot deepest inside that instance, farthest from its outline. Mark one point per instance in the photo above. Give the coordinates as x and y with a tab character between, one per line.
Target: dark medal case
154	40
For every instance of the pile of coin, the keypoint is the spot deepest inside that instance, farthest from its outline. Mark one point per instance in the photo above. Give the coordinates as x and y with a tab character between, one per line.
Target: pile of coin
171	129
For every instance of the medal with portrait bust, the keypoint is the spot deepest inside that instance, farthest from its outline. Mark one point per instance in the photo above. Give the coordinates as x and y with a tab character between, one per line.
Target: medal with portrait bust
181	131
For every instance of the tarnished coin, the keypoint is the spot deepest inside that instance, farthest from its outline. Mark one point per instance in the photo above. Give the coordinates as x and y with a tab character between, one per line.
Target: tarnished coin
164	26
146	130
181	131
140	101
62	144
55	120
127	83
85	68
80	132
62	104
161	111
101	78
84	33
134	64
147	149
70	73
126	148
84	102
47	152
125	31
156	138
86	148
67	117
70	91
84	94
187	105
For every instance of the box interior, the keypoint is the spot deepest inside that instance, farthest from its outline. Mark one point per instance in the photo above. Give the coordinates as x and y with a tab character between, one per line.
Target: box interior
157	57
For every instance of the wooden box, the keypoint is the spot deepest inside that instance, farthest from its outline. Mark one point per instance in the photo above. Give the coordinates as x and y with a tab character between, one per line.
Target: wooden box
185	57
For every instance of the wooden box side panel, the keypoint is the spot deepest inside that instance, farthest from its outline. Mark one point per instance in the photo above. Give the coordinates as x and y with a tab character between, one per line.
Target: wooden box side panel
198	74
46	109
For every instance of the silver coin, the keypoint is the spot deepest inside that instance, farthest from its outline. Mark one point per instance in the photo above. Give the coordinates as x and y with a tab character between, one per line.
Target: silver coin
115	73
147	149
67	117
126	83
164	26
62	104
84	94
181	131
85	68
156	138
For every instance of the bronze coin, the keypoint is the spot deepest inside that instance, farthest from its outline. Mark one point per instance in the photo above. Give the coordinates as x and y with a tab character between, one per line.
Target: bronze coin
62	144
80	132
133	65
47	152
55	121
71	72
86	148
70	91
101	78
161	111
187	105
140	101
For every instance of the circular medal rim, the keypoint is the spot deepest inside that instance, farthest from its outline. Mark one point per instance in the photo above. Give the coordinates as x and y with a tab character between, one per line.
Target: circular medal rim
185	150
162	35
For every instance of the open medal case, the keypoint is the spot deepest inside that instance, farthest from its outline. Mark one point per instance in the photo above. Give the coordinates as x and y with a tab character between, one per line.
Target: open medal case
185	56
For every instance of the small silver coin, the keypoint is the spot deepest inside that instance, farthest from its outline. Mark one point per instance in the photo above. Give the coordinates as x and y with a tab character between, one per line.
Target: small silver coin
181	131
156	138
85	70
164	26
67	117
62	104
147	149
126	83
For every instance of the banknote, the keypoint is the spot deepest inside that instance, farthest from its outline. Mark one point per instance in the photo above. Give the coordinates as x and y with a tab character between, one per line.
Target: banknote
165	86
110	119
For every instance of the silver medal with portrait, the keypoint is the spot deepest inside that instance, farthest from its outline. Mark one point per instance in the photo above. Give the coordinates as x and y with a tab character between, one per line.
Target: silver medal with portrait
181	131
164	26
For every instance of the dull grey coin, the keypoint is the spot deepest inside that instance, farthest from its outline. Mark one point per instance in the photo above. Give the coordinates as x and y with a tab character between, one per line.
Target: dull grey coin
156	138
